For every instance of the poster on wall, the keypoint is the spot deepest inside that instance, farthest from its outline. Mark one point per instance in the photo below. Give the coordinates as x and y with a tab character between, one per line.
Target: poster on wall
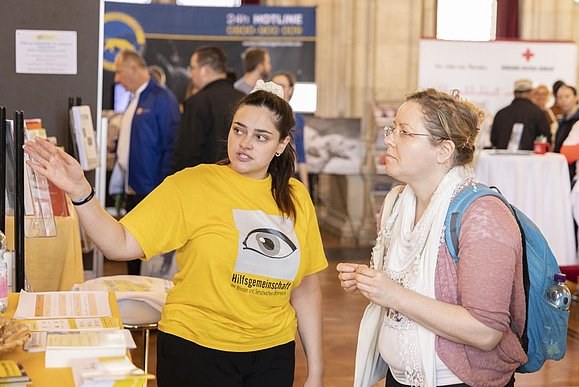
167	35
333	145
46	52
485	72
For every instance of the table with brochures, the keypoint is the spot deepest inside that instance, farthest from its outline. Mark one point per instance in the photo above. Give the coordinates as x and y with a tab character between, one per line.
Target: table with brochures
33	362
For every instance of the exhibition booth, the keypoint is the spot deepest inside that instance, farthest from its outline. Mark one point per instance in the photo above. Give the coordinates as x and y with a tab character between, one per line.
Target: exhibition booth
63	77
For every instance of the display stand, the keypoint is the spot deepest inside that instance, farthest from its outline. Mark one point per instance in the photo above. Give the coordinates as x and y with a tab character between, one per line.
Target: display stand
48	264
45	94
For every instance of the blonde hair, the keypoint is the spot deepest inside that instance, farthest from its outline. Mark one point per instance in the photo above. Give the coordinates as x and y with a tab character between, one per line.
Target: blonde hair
448	117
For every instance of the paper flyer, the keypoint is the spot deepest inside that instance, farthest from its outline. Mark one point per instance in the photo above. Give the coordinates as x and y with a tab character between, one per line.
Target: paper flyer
71	324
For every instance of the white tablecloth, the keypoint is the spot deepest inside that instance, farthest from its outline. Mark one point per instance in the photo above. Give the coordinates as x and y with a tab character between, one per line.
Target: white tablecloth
539	186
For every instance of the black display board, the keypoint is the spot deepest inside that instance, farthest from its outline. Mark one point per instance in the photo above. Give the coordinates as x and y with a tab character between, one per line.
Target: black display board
46	96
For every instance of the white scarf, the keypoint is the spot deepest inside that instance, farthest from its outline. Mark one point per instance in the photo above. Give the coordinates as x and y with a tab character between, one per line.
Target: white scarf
411	259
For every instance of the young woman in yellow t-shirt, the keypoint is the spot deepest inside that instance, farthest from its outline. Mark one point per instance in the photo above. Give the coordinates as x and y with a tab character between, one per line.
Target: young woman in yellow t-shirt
248	252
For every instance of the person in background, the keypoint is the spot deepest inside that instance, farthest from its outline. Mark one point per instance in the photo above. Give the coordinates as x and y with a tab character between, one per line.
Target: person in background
256	65
231	76
445	323
567	101
556	109
170	59
146	137
202	134
521	111
287	81
159	74
248	246
191	90
540	95
570	149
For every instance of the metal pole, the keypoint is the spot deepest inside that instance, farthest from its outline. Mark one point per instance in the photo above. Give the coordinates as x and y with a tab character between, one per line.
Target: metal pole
19	202
70	141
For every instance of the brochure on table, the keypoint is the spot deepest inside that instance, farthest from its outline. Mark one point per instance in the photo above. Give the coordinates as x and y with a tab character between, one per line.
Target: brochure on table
44	305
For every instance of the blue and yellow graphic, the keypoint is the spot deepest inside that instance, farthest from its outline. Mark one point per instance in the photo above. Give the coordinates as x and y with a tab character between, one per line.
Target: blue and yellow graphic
161	21
121	32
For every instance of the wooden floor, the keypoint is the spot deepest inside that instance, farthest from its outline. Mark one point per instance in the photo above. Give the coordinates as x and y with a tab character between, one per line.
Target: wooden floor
341	318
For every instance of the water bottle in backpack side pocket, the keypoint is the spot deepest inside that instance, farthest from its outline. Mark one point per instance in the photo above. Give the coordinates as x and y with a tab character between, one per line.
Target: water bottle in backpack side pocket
559	297
558	294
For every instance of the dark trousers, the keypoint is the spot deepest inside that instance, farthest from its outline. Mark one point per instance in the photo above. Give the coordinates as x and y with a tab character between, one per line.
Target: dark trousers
391	382
134	266
183	363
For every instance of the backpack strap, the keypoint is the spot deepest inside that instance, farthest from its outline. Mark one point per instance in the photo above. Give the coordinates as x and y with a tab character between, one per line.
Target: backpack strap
452	222
458	207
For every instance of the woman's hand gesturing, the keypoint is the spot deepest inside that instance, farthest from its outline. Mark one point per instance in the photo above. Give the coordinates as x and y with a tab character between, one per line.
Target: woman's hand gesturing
57	166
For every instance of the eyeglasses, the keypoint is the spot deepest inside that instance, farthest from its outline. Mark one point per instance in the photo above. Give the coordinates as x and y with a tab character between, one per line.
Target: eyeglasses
397	131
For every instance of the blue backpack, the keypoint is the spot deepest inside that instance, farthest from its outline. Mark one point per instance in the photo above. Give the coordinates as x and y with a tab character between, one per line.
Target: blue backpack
545	333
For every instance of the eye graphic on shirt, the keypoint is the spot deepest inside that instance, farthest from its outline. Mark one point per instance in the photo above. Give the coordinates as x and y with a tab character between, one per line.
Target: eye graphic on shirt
269	242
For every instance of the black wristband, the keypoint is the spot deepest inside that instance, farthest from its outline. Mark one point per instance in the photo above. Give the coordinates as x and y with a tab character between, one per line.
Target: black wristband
85	200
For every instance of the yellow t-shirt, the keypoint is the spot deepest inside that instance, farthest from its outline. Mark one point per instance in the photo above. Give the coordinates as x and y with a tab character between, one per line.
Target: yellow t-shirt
238	258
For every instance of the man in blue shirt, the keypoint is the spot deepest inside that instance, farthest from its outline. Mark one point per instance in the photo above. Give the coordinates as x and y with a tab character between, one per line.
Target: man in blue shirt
147	134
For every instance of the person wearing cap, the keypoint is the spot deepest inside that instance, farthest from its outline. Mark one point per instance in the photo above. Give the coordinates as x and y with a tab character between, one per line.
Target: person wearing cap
521	111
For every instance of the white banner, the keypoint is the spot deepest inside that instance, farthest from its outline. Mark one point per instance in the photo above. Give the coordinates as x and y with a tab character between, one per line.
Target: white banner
485	72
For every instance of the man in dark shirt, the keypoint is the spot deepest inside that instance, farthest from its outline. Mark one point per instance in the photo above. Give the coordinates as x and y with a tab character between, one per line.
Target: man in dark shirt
204	125
520	112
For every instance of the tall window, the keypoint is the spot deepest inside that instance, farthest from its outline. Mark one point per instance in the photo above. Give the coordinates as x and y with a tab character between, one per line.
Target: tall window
466	20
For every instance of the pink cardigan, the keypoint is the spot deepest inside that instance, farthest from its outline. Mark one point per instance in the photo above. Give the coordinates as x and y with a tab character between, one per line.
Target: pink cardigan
487	281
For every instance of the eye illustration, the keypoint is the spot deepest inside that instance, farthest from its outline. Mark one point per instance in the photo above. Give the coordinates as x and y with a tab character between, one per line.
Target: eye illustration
269	242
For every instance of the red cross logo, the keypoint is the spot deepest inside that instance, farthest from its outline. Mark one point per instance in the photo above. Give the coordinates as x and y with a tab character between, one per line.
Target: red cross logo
528	54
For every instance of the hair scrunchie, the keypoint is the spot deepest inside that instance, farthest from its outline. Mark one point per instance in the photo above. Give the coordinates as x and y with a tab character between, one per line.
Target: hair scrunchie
270	87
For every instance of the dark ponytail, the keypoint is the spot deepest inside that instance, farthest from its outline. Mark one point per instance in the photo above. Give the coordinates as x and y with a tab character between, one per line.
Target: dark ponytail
282	167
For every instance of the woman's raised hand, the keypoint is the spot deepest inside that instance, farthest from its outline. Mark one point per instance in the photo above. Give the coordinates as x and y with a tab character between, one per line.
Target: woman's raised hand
57	166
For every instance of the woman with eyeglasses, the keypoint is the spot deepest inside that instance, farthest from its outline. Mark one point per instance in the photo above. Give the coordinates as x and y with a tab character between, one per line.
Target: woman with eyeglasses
444	323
